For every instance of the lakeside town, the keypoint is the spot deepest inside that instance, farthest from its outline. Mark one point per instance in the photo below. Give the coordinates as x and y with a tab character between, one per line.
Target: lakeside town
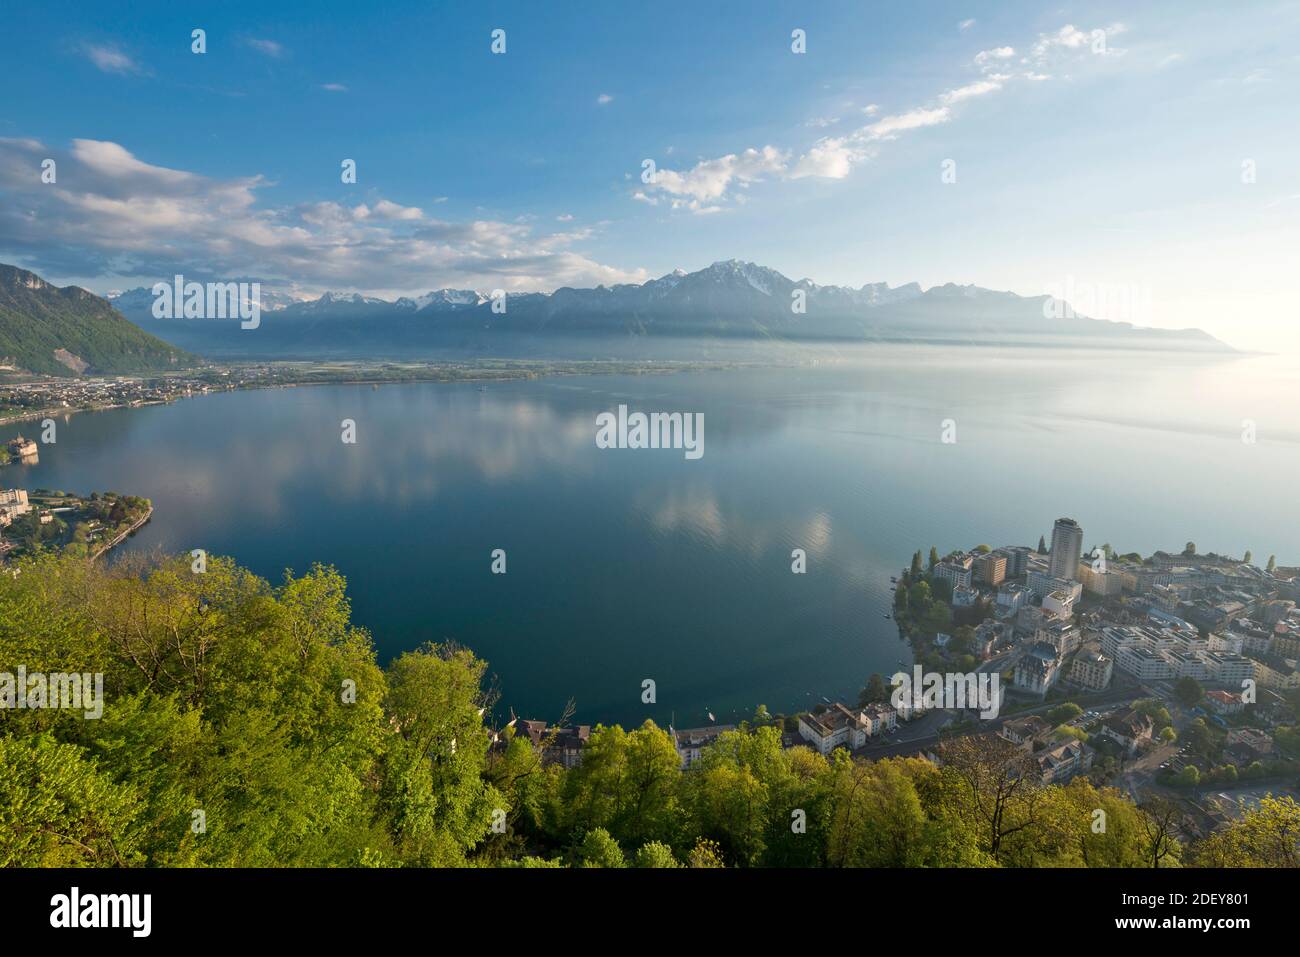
1171	677
25	397
57	520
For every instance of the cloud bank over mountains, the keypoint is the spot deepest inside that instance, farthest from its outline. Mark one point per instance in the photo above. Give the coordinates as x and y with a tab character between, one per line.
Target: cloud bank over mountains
110	213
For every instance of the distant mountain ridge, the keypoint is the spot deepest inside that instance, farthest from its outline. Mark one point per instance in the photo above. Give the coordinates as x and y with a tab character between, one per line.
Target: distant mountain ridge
729	299
69	331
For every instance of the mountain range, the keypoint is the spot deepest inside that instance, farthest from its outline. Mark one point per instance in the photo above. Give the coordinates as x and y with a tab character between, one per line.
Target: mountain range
66	331
728	300
69	331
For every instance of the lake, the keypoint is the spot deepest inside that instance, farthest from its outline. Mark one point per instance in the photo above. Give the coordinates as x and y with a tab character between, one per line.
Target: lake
625	565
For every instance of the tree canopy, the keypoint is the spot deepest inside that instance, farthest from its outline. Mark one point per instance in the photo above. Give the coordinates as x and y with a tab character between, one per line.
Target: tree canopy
250	724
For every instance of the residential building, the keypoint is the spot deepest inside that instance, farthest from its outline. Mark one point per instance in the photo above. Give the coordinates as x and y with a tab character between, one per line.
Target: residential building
1060	633
1025	731
1059	763
839	726
1067	544
1274	672
1228	669
13	503
1091	671
691	742
1129	730
1060	604
1102	584
1011	598
559	745
991	569
877	719
990	634
954	573
1258	741
1044	583
1037	669
1224	702
1017	559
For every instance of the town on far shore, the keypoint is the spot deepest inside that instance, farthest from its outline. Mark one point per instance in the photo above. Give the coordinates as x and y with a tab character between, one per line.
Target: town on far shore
1171	677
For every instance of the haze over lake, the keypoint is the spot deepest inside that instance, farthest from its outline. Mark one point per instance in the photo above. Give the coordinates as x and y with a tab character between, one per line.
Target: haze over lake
632	564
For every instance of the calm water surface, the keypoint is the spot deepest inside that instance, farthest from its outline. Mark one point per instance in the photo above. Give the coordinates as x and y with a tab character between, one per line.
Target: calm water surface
627	565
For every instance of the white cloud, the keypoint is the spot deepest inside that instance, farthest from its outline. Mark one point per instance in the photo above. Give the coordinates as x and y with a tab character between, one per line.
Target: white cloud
821	122
985	57
965	24
1070	39
110	59
833	157
970	90
888	128
565	218
384	209
604	98
710	179
828	158
334	87
268	47
112	213
112	160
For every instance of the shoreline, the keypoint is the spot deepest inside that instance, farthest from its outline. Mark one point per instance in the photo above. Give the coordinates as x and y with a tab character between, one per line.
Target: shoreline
123	535
443	374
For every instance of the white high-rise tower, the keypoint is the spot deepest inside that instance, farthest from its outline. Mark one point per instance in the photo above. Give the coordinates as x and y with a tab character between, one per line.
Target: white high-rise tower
1067	545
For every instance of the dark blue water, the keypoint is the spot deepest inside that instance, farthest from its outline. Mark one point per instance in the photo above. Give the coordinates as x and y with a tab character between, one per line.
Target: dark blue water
624	565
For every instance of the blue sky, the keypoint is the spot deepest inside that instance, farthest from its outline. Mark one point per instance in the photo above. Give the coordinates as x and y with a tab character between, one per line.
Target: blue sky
1097	146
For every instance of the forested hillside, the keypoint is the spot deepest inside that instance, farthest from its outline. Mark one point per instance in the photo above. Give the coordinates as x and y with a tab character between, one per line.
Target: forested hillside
246	724
69	331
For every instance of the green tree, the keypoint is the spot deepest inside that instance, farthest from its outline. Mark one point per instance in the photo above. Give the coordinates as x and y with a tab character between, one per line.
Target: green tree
598	849
1188	691
705	853
58	809
874	691
1201	739
876	817
1268	836
627	783
655	854
1160	819
1063	713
